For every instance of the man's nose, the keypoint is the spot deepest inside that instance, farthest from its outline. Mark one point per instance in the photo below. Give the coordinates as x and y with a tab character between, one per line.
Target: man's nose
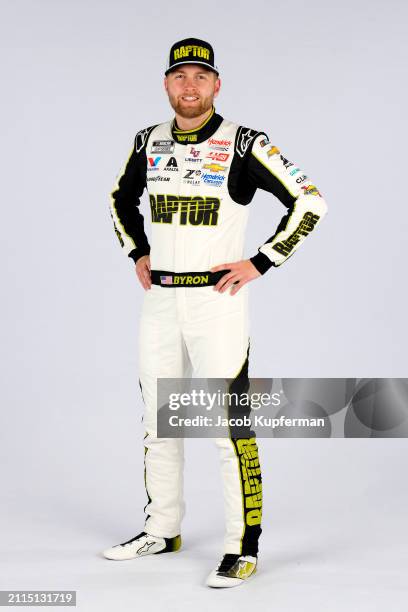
189	83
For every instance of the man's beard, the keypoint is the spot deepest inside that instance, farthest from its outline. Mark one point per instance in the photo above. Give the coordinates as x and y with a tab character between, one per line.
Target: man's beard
189	112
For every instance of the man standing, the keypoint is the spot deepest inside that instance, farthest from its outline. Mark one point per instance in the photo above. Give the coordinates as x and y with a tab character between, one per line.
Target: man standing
201	172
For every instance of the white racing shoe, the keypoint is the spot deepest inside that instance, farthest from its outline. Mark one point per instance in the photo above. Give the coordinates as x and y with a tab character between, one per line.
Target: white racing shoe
232	571
142	545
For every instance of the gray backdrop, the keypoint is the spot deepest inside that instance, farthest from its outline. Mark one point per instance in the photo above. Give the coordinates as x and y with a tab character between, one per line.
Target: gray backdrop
327	81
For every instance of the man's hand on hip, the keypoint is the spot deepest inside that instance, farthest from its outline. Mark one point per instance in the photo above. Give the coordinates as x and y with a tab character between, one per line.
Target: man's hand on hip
143	271
241	272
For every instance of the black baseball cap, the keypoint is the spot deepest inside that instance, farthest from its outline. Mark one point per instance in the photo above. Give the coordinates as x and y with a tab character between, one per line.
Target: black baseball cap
191	51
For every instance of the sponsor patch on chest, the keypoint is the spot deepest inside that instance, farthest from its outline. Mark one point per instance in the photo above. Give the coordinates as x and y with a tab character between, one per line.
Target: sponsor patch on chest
162	146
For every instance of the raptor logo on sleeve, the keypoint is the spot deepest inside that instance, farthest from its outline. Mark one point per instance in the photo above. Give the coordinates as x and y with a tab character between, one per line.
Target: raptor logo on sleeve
304	228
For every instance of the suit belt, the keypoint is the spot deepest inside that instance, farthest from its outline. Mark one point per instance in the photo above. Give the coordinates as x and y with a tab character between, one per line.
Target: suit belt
186	279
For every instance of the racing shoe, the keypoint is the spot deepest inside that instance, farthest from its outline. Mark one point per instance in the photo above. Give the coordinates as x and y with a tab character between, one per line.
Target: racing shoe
142	545
232	571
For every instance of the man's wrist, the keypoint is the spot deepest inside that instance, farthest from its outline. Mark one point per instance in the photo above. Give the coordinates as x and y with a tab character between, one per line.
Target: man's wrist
261	262
136	254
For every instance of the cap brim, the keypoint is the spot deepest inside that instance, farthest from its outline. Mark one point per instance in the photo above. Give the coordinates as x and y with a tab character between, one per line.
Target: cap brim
210	68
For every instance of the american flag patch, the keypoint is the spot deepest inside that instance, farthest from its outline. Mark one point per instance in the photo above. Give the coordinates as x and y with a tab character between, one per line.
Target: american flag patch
166	280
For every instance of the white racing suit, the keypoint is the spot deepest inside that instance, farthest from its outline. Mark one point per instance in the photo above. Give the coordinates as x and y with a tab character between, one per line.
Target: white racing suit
200	183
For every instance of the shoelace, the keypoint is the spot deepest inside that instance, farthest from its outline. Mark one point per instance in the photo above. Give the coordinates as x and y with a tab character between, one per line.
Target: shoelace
227	562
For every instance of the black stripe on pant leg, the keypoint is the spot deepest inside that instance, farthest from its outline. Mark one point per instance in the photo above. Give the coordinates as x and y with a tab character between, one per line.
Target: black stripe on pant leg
246	450
149	499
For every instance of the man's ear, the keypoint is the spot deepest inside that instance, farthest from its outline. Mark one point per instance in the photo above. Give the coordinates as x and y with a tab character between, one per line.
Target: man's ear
217	87
165	83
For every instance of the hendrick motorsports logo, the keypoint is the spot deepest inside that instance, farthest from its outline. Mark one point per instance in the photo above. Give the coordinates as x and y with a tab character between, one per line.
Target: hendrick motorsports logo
212	179
219	145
